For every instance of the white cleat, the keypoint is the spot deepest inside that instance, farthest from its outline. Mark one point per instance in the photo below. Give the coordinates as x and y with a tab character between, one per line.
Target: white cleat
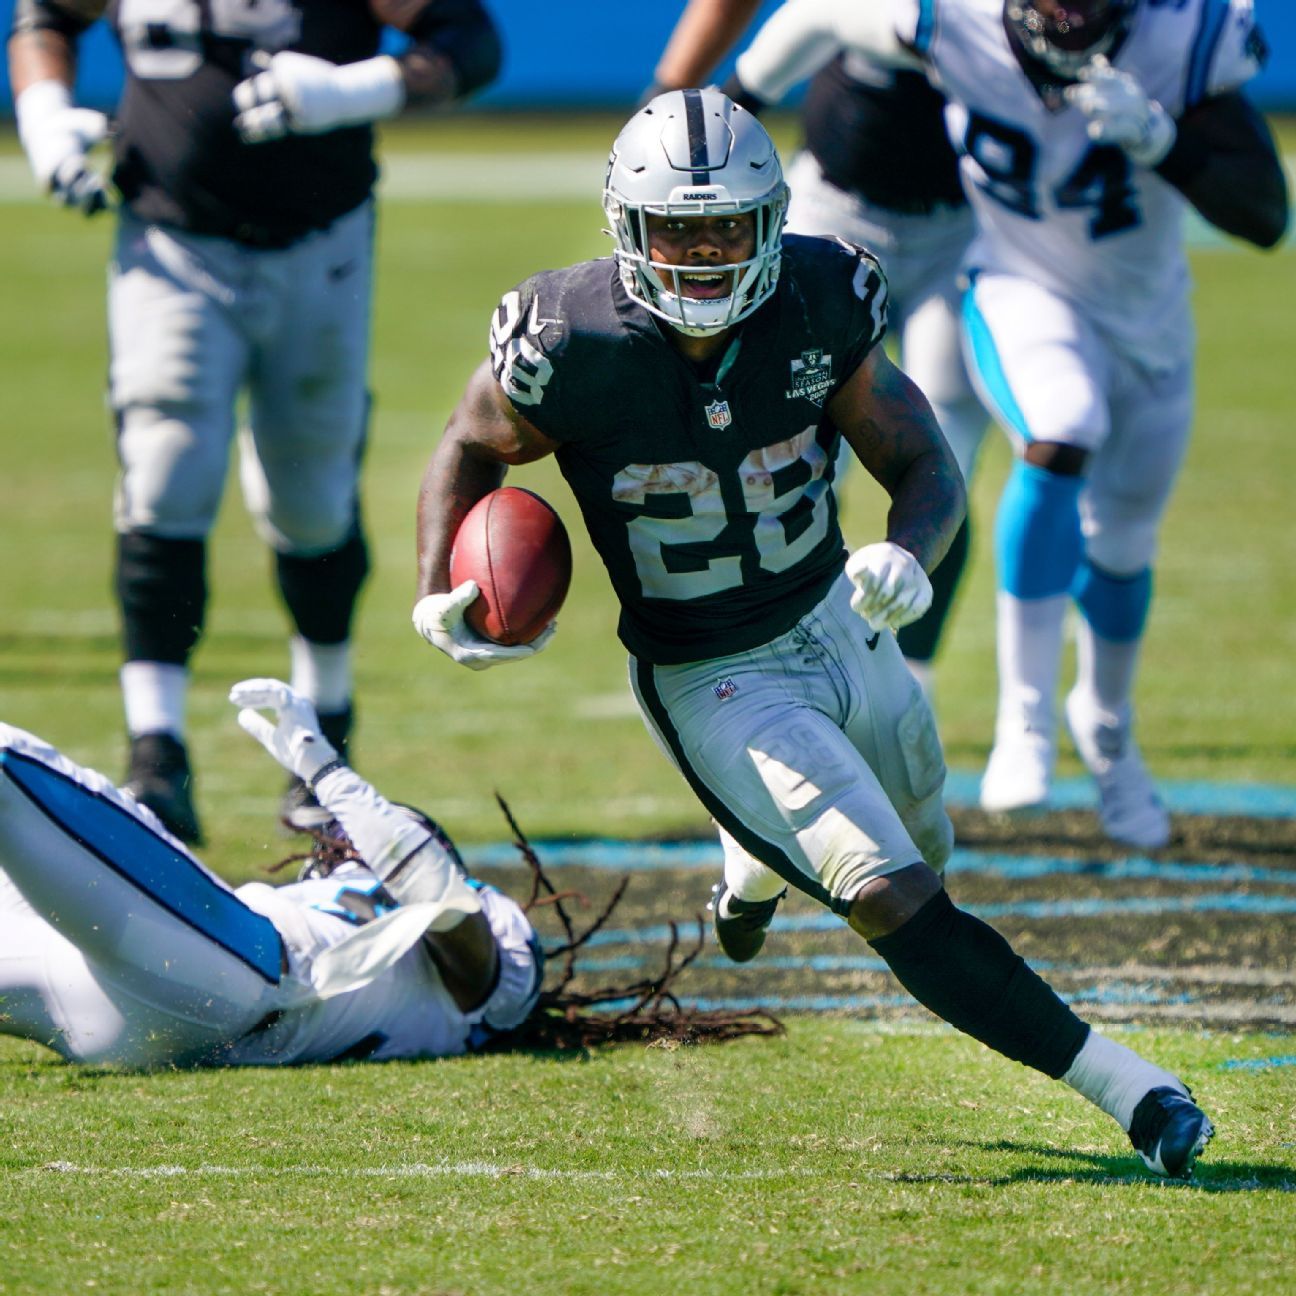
1129	808
1018	773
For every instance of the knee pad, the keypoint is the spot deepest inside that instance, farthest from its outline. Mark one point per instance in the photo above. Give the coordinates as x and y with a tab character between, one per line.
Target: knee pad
1038	542
161	586
1115	606
320	592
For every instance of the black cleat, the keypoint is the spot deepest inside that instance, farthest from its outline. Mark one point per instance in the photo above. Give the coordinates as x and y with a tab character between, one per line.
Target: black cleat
1168	1131
160	778
740	925
299	809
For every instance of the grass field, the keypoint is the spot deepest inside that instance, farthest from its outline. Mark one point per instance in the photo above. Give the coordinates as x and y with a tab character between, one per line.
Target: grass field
867	1152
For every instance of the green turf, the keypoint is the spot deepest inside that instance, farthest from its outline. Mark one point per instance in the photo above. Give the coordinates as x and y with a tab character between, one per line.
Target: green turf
839	1160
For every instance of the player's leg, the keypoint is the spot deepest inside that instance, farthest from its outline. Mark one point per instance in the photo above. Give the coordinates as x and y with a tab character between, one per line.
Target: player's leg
153	960
932	355
177	360
1129	486
1043	373
300	461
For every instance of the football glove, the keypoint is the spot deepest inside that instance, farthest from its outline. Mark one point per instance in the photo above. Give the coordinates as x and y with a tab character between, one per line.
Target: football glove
293	738
1119	112
439	618
298	94
57	139
891	588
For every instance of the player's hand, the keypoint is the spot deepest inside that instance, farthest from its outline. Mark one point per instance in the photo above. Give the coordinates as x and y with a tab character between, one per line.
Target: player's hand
439	618
1120	113
298	94
57	139
891	588
293	738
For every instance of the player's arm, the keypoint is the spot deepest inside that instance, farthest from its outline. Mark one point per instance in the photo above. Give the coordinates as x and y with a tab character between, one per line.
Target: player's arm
803	35
1223	160
454	50
706	31
890	426
484	436
42	66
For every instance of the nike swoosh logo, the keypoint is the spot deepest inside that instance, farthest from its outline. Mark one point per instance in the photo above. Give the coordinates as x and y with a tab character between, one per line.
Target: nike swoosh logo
870	644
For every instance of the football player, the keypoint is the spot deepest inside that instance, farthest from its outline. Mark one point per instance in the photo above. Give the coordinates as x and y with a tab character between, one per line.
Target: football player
1085	127
877	168
120	947
243	179
695	389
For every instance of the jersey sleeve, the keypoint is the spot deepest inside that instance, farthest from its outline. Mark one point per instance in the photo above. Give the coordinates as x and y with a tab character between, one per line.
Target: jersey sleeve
1227	51
530	361
867	308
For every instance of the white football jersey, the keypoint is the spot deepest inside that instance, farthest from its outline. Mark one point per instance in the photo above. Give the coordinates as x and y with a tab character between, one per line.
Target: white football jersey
1079	218
406	1012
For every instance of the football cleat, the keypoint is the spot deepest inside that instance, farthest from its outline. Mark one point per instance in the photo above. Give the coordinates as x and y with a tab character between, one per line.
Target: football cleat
1018	774
159	777
1169	1131
1129	808
740	925
299	810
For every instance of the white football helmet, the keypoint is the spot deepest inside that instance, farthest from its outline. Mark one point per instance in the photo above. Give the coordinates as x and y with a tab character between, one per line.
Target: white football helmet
695	153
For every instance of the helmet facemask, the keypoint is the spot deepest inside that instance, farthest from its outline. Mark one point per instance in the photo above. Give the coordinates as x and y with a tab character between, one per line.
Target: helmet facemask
1067	35
694	153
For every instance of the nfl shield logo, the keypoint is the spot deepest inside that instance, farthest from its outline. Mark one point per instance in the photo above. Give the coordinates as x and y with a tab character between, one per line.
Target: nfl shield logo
718	415
725	688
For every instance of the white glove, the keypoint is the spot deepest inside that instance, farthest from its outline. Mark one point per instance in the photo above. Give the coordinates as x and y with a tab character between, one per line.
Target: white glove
299	94
294	739
891	588
56	138
439	618
1119	112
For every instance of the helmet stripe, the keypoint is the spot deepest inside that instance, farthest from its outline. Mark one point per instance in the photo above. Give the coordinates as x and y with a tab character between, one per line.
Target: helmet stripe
695	119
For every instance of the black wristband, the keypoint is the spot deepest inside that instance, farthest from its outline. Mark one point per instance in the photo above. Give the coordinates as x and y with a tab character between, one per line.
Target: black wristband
325	770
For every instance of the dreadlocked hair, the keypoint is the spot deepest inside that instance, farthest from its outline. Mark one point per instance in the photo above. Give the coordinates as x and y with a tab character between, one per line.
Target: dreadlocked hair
331	849
568	1019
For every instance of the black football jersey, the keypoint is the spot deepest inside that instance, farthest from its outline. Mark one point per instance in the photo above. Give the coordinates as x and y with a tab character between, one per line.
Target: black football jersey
880	133
707	495
178	158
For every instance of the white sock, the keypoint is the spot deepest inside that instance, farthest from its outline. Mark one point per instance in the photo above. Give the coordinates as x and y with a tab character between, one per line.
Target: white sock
1115	1078
154	695
321	672
1105	670
747	878
1029	649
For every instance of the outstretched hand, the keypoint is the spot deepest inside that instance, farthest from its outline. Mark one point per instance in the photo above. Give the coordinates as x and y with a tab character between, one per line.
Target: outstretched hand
1118	111
293	738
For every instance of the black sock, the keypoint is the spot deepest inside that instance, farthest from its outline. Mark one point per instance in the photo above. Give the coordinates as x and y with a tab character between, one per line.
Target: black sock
965	972
161	586
320	592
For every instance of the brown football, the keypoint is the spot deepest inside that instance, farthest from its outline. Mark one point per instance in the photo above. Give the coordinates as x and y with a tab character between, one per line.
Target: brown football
516	548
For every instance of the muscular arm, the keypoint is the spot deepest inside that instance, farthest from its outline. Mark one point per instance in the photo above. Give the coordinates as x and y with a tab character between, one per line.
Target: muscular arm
42	45
707	30
455	48
484	435
803	35
890	426
1224	162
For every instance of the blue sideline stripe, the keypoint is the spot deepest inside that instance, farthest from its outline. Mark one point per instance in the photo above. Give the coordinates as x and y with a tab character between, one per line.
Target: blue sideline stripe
164	874
1258	1064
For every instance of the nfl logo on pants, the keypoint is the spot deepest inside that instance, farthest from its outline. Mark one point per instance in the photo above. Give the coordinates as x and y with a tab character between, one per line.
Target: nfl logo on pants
718	415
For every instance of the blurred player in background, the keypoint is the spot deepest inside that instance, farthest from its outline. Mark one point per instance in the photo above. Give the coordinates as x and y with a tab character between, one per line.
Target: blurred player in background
695	389
244	178
1083	126
118	946
878	169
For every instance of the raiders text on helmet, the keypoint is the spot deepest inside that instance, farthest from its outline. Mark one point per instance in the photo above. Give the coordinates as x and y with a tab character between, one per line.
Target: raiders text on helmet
695	153
1065	34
